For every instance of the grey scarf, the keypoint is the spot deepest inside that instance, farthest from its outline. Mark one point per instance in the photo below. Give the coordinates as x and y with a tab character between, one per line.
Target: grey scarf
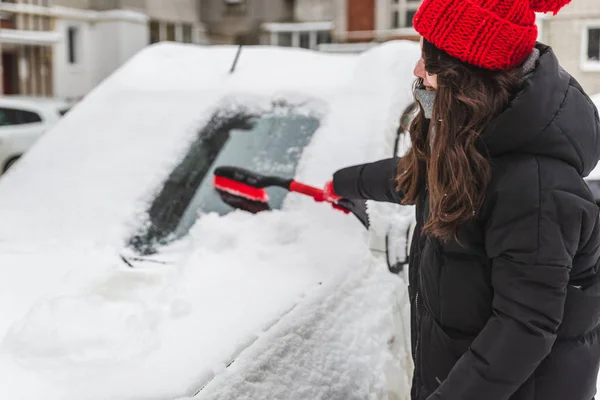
427	97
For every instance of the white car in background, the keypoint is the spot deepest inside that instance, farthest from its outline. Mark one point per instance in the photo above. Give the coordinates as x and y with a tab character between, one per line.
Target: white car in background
125	276
22	121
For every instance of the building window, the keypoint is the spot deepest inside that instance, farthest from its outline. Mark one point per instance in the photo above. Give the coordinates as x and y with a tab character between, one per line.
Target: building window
591	47
170	32
10	116
284	39
154	32
233	7
308	39
72	37
305	40
324	37
187	33
403	12
593	50
306	35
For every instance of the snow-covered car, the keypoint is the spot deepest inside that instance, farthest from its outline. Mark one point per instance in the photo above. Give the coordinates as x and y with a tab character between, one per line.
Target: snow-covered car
22	121
125	276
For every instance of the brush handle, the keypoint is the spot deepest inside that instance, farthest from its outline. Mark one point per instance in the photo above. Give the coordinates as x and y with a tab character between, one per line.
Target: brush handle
307	190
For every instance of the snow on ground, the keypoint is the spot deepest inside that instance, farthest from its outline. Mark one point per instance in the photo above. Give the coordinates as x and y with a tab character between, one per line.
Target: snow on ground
91	328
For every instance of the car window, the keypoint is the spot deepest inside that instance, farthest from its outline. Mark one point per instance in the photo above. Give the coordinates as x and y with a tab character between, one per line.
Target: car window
269	142
11	116
8	116
28	117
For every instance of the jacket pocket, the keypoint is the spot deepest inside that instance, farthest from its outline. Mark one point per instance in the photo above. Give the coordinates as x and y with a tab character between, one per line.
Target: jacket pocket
440	352
582	311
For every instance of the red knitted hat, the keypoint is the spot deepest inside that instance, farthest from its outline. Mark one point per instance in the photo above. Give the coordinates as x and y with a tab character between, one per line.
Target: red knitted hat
491	34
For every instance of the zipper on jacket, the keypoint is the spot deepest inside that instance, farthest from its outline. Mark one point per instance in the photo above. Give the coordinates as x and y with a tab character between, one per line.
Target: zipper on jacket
420	224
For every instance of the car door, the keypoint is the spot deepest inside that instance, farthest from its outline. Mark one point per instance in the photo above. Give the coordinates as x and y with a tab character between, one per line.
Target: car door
19	129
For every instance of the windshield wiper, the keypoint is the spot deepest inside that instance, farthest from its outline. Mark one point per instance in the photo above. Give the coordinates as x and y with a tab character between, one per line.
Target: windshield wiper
129	261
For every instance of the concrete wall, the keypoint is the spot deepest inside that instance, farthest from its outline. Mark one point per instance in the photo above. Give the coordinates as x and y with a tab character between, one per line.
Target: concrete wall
102	4
103	44
314	10
115	43
222	26
73	80
83	4
136	4
173	10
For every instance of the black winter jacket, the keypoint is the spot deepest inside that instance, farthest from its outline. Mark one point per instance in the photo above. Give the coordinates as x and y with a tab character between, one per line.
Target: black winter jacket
513	312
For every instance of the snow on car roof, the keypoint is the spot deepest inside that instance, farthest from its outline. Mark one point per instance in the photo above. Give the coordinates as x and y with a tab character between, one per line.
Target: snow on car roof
78	324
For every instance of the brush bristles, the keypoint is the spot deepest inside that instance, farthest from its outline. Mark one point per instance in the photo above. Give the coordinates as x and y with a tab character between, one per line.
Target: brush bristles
240	189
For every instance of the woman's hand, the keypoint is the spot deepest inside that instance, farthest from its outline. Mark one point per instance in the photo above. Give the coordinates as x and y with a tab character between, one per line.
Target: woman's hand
329	194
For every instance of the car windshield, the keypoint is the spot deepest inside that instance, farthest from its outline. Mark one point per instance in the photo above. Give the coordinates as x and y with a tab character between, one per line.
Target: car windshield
268	142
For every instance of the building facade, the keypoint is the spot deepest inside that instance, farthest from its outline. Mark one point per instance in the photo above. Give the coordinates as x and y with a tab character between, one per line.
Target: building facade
356	25
27	38
574	34
64	48
343	25
375	20
311	27
239	21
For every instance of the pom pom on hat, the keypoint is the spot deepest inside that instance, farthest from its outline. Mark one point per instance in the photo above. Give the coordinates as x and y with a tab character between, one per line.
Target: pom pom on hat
545	6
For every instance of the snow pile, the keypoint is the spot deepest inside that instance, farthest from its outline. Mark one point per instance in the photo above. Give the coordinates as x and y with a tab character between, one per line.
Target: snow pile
245	272
297	283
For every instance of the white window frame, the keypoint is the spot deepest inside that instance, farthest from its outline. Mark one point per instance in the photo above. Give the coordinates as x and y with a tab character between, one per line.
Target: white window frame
162	31
586	65
403	7
179	32
75	45
272	30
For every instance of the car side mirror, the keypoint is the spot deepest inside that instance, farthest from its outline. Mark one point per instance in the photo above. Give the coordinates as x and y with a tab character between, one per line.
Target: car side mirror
397	247
402	142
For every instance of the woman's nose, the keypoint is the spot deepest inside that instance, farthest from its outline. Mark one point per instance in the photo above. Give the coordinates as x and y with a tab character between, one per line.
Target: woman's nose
420	69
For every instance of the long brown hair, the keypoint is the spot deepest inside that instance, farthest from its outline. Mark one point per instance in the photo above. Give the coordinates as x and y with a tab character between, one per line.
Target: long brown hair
446	152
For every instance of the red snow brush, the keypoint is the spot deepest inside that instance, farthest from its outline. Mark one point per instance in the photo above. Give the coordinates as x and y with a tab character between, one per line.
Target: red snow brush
245	187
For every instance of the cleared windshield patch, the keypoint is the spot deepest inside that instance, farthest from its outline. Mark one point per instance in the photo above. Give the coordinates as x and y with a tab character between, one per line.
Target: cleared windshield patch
268	141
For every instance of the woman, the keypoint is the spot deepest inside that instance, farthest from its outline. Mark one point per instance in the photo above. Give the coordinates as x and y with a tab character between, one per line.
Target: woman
504	268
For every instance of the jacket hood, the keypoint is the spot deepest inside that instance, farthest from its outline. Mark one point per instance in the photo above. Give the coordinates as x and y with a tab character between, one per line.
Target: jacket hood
551	116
